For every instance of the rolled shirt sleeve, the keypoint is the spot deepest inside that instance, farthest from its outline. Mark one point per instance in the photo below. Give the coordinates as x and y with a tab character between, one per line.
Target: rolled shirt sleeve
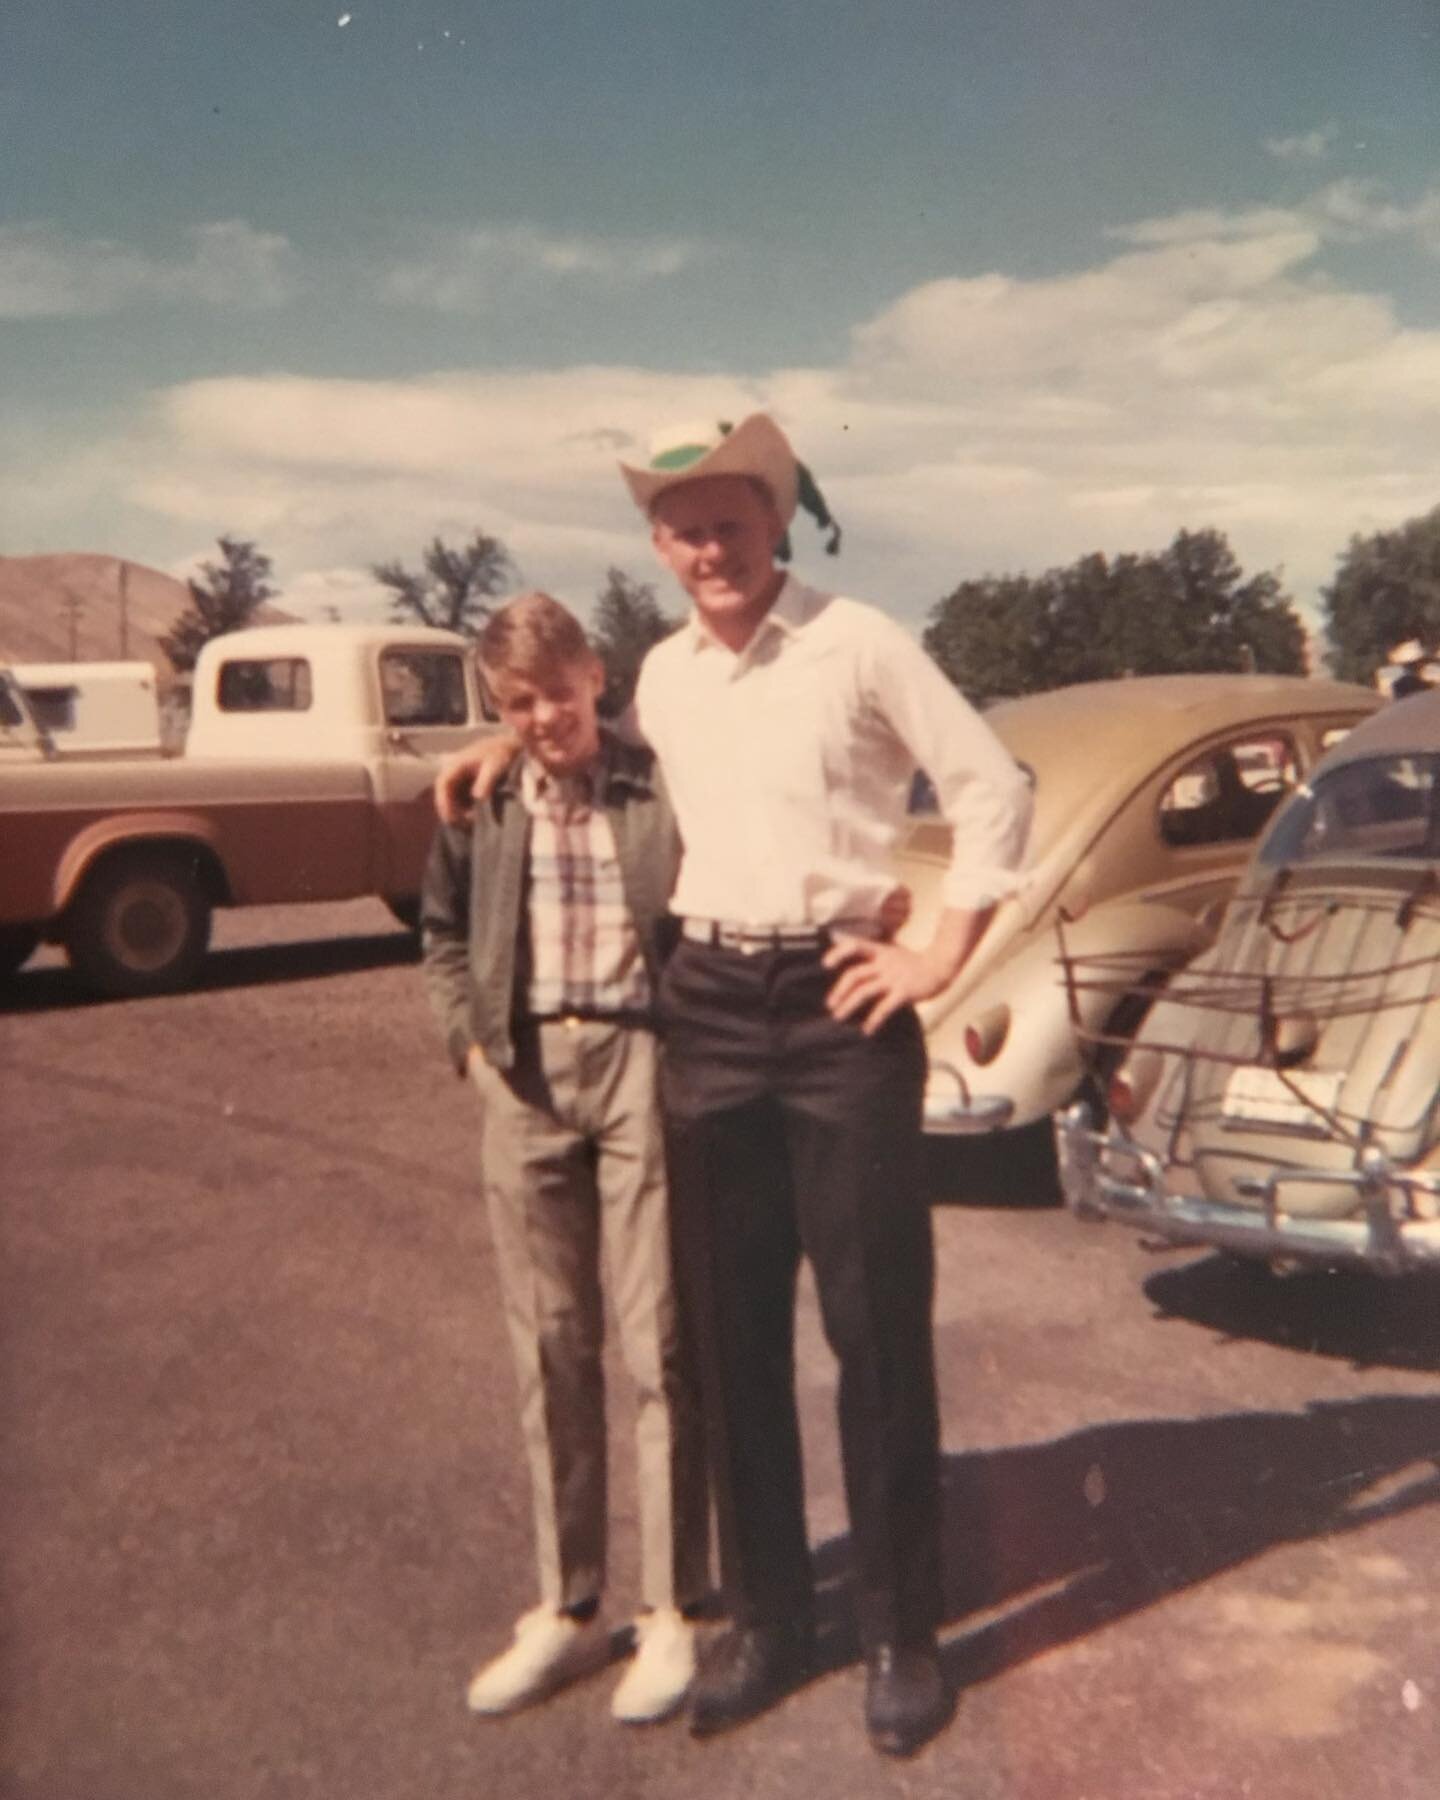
983	793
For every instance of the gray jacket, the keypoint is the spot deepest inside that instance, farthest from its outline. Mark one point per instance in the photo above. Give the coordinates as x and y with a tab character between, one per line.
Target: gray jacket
472	908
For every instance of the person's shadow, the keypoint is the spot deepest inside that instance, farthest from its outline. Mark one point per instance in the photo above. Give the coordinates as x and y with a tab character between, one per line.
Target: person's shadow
1045	1543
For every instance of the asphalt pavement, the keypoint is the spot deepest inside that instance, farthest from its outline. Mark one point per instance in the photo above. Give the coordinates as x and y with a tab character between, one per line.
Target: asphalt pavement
265	1507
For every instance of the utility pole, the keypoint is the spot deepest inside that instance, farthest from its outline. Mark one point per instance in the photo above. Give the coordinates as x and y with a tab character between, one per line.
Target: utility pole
124	582
73	606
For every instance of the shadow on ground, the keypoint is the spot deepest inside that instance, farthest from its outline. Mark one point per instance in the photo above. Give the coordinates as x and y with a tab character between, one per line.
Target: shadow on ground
1047	1543
252	965
1369	1321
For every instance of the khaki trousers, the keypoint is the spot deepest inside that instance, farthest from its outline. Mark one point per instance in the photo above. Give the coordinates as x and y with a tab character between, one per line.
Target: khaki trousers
572	1163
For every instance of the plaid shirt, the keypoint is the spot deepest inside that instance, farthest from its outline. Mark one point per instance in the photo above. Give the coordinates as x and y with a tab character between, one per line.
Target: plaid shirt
584	951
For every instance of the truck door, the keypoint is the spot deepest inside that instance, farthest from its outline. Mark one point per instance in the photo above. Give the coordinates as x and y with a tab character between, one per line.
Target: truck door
428	695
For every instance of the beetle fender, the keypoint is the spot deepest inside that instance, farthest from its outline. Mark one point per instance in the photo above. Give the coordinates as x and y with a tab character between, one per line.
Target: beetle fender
1041	1064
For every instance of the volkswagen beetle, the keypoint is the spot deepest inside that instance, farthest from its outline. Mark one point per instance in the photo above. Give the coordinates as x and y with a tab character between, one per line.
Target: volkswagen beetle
1149	794
1281	1100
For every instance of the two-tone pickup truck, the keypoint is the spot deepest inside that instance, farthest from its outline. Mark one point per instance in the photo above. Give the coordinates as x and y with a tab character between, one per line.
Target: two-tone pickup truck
305	776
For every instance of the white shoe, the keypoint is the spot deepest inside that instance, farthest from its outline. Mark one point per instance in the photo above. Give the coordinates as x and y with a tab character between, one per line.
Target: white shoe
550	1649
657	1681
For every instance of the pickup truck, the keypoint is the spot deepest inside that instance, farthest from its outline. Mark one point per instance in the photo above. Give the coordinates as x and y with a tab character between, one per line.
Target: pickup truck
305	775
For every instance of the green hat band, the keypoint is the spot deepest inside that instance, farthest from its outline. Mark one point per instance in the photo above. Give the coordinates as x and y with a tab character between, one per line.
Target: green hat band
681	457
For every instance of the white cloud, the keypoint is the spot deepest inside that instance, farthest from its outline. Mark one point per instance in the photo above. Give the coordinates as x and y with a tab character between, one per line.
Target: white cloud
1205	374
1305	146
45	273
1347	211
461	271
1359	210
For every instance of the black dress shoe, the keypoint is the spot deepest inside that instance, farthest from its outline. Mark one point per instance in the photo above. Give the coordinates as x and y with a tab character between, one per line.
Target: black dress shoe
745	1671
906	1697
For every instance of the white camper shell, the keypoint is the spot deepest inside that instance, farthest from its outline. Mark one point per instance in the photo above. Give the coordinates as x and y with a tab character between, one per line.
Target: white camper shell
94	709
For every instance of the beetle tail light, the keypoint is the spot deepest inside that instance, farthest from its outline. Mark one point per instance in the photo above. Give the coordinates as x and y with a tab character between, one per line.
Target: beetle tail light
1132	1085
1120	1098
985	1037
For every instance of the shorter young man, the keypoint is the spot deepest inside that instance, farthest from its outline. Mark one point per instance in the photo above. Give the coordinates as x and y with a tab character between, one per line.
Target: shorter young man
540	923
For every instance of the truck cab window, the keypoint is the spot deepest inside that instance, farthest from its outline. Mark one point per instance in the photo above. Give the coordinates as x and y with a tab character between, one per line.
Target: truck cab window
423	687
276	684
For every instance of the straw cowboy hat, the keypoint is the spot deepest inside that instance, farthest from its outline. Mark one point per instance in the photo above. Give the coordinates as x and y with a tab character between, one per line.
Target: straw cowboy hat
756	447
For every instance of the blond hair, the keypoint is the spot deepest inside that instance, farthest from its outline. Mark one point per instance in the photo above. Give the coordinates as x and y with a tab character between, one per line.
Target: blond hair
532	635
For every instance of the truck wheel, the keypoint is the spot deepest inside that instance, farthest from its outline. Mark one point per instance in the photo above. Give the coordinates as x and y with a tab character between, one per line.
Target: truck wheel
141	923
407	912
17	942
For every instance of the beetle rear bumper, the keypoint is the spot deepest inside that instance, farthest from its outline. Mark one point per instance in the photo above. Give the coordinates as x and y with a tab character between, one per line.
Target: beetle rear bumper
1105	1176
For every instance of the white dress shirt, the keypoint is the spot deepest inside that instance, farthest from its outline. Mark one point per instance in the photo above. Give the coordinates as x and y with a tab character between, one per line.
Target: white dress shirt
789	766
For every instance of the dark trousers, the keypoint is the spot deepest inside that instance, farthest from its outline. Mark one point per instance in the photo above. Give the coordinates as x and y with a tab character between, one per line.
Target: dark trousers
792	1134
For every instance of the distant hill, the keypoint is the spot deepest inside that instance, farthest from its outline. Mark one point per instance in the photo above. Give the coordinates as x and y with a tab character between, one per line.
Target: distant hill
64	608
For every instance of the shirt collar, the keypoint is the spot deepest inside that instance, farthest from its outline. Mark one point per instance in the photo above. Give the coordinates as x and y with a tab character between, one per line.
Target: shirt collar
786	615
617	762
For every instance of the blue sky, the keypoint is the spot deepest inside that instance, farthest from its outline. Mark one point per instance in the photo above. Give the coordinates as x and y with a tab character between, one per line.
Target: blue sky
1023	281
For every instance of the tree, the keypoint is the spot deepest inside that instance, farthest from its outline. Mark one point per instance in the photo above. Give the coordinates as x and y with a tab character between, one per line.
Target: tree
1188	607
227	596
626	622
1386	589
452	588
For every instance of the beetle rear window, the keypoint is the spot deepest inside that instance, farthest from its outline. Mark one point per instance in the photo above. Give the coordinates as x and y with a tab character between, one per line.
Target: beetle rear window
1384	806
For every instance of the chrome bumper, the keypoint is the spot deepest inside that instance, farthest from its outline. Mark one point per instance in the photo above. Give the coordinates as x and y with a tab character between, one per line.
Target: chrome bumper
959	1113
1105	1176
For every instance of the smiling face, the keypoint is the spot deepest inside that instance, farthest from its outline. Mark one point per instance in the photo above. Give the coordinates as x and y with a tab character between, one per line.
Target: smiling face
718	536
552	711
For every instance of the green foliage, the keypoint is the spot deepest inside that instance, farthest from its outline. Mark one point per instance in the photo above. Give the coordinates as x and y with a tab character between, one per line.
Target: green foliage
627	622
452	589
226	597
1186	608
1386	589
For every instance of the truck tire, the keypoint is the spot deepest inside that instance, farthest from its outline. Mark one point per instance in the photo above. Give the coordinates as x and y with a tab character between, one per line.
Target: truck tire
407	913
141	923
17	943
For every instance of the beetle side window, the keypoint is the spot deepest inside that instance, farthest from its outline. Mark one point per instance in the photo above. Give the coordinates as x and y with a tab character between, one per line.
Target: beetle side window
423	687
269	684
1229	793
1384	806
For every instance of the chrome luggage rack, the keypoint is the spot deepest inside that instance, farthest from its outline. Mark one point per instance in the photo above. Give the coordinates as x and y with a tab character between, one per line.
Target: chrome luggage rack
1289	1008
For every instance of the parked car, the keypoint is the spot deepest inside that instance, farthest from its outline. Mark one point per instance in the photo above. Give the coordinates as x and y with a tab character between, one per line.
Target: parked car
1149	794
1281	1101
